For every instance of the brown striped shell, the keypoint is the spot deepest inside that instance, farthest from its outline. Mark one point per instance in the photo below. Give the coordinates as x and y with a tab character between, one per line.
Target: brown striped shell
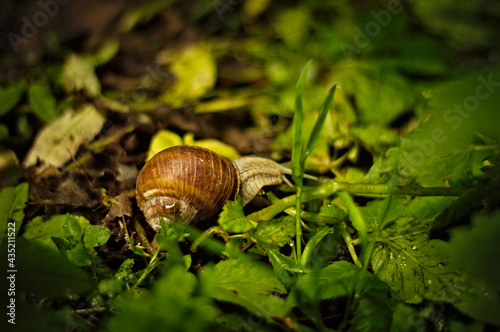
186	182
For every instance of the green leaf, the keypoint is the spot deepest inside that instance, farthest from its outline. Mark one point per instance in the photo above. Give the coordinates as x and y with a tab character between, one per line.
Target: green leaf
105	53
79	256
12	203
45	272
79	75
72	229
221	148
43	102
56	143
380	95
406	318
110	287
244	282
337	279
171	305
275	232
456	22
42	319
416	268
292	24
376	137
125	271
10	96
171	232
282	264
223	103
373	313
432	165
232	218
42	231
162	140
95	236
475	249
332	210
62	243
195	72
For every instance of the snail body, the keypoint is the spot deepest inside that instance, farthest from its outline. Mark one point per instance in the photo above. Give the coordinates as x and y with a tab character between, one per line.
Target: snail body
186	183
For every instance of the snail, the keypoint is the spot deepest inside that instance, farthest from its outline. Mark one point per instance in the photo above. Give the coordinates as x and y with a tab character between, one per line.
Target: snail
186	183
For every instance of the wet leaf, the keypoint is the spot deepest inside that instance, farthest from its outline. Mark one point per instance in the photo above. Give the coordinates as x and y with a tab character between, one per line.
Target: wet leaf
79	256
417	268
95	236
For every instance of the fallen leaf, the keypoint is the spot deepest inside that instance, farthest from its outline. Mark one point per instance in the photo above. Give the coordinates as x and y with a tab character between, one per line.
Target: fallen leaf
56	143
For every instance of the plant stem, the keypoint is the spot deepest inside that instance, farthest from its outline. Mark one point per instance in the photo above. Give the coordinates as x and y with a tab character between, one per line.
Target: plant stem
349	242
152	264
331	187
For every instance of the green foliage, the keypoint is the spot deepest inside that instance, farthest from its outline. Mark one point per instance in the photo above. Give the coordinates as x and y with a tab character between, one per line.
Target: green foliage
54	274
12	203
414	124
417	268
475	249
392	97
56	227
233	220
169	305
10	96
195	71
245	282
43	102
164	139
276	232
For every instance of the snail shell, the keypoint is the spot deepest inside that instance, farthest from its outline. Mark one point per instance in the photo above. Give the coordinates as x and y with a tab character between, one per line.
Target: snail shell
185	183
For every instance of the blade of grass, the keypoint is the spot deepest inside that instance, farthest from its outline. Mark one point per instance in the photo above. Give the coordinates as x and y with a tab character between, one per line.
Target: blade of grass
297	171
319	123
297	160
